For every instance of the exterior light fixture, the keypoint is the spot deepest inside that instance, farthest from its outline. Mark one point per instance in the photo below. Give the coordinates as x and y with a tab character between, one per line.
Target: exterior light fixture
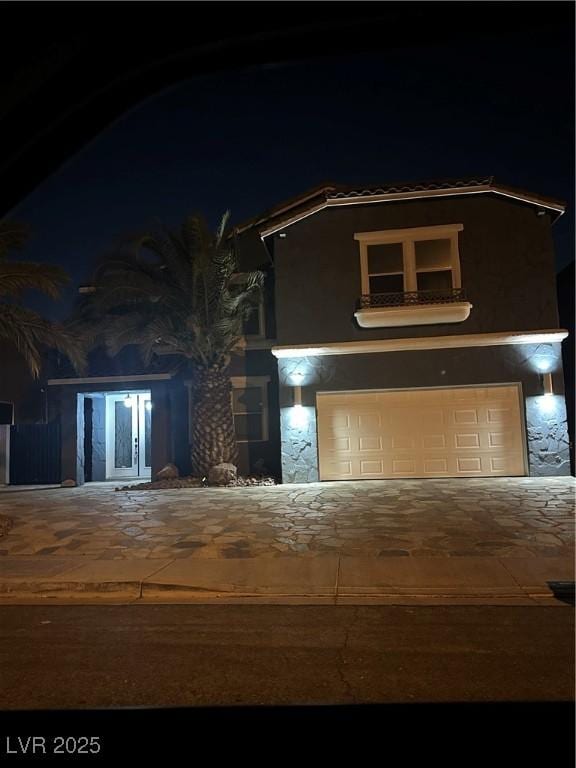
128	401
297	379
297	396
544	364
547	384
148	405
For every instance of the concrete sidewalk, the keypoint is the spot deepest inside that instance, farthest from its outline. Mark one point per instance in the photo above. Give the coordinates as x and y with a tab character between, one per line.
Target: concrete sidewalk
328	580
369	542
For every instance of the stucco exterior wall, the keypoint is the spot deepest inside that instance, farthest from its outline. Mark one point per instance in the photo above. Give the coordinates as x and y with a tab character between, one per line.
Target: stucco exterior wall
546	425
506	257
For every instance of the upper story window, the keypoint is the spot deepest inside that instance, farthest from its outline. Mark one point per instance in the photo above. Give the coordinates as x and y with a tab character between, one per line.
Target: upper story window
410	260
411	277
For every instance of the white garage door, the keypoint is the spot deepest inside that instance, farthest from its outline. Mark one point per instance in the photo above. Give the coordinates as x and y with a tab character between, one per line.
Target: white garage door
462	432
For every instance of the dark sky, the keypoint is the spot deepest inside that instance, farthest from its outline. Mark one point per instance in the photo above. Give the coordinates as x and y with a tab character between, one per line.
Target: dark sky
247	140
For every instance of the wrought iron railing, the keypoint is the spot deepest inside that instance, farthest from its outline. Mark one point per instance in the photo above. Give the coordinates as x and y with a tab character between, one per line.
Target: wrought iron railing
402	299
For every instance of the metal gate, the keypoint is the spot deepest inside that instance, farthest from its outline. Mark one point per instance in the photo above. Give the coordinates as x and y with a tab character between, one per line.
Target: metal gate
35	453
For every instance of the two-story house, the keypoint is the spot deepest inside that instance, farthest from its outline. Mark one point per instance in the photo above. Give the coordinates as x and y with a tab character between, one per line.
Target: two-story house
407	331
417	332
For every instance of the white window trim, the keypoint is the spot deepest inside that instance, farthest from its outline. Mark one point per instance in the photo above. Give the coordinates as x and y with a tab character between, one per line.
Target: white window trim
407	237
243	382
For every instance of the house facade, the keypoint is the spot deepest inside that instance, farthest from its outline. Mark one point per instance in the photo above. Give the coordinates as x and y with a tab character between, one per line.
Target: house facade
417	333
408	331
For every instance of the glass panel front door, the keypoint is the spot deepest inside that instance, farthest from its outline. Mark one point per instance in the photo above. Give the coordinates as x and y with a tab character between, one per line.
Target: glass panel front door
128	432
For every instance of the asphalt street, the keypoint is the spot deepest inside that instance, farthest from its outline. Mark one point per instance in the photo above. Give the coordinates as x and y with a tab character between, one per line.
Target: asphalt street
54	657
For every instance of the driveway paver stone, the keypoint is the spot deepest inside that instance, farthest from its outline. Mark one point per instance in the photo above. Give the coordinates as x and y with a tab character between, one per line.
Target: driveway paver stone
500	517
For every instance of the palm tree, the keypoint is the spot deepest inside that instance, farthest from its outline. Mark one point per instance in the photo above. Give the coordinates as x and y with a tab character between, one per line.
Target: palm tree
28	330
177	293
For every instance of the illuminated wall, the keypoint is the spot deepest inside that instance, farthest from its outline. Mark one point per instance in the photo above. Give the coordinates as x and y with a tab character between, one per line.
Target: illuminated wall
546	424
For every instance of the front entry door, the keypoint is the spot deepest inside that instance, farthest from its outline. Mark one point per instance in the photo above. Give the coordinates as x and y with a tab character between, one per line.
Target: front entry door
128	435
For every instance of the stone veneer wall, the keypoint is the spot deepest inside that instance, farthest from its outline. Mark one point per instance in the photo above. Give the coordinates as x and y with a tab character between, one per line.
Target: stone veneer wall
548	440
98	438
299	447
546	424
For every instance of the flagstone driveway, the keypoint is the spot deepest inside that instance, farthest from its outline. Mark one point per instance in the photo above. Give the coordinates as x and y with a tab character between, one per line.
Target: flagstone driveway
503	517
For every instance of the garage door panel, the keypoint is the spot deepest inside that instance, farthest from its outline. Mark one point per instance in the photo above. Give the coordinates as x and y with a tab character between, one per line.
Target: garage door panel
370	443
461	432
339	444
431	419
469	464
404	467
400	442
462	416
371	467
503	440
499	415
434	466
467	440
430	442
339	420
342	469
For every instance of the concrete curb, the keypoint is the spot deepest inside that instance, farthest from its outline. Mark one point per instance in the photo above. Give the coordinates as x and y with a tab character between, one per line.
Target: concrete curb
330	580
73	589
150	592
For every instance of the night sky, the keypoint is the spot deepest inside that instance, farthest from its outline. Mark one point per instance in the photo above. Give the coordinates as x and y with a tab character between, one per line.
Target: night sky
246	140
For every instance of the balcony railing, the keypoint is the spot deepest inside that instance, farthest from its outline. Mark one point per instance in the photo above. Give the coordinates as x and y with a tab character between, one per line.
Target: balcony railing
411	298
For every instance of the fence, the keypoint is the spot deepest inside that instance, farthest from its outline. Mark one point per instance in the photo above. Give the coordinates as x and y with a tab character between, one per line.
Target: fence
35	453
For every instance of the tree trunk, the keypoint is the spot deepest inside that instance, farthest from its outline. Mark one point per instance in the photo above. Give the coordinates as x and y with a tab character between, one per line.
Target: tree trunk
213	435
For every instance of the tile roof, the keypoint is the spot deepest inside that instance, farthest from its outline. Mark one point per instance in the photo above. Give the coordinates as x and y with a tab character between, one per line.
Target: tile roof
421	186
326	195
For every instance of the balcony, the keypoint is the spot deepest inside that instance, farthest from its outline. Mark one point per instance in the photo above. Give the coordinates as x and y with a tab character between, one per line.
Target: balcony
389	310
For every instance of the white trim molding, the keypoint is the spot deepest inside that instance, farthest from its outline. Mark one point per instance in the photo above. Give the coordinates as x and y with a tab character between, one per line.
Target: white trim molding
407	240
410	233
415	195
423	342
419	314
112	379
250	344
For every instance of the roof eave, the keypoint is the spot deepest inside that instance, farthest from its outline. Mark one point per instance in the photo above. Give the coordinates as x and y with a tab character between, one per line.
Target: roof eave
556	207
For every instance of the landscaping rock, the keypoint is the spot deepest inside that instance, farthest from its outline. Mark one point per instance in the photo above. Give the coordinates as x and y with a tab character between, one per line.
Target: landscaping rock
241	482
194	482
222	474
168	472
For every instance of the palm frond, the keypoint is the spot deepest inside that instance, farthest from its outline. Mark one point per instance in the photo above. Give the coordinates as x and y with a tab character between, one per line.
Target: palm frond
29	332
13	236
183	301
16	277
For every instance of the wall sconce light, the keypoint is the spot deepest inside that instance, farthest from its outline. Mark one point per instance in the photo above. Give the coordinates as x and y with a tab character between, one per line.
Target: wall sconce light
297	378
547	384
544	363
297	390
128	401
